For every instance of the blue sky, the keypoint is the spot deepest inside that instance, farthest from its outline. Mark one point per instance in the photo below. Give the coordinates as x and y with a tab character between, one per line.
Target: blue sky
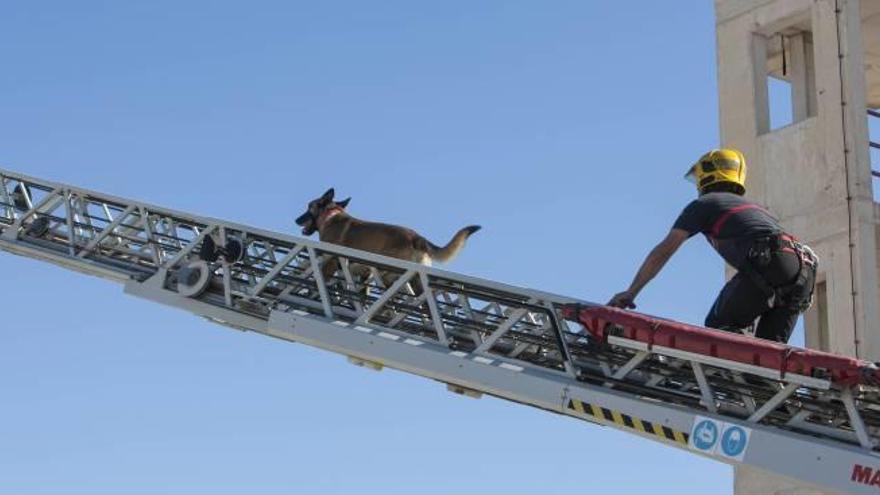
563	128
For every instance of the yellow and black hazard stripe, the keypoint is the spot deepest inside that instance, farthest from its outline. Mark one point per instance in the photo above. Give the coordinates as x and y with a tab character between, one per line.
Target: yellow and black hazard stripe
627	421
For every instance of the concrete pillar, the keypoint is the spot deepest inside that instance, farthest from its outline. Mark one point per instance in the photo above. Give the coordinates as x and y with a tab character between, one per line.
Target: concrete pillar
814	174
801	72
748	481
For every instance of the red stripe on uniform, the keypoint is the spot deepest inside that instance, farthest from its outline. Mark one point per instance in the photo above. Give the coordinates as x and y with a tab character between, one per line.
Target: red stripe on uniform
719	224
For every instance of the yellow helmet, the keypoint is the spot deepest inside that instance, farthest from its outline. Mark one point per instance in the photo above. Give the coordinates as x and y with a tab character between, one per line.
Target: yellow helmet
718	166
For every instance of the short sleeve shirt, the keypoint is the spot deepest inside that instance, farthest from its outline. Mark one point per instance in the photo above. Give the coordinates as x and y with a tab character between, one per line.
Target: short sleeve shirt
730	222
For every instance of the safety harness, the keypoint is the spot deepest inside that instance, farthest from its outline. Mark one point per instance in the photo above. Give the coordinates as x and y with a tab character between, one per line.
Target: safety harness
761	253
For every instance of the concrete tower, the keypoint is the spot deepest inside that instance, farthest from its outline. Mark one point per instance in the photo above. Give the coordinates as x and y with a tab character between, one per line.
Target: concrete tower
813	170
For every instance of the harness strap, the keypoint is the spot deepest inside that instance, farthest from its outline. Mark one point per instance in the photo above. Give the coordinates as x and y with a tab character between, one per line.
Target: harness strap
781	295
791	244
719	224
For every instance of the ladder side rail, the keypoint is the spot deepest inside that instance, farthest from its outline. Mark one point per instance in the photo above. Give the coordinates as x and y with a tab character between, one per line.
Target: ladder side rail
136	250
203	221
144	225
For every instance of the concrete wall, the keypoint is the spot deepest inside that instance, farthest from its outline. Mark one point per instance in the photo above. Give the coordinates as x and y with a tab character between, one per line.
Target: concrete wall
815	174
750	481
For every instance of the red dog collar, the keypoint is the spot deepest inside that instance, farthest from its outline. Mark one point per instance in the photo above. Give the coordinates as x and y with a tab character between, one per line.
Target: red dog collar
327	215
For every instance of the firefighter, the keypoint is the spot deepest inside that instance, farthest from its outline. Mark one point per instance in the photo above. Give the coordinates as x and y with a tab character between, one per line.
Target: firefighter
775	272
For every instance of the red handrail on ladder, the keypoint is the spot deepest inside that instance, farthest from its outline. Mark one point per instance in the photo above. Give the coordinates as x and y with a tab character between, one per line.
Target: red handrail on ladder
603	322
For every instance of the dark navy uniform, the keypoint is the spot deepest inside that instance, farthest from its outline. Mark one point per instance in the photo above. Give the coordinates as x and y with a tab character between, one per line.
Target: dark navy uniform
775	273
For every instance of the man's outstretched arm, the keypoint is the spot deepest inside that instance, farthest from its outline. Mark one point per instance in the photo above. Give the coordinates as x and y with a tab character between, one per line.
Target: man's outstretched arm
652	265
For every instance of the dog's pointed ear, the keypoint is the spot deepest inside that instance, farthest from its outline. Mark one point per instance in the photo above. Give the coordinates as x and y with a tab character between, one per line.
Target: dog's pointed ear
328	196
344	202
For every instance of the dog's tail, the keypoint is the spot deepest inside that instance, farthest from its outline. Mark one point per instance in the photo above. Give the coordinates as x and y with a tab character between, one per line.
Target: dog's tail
447	252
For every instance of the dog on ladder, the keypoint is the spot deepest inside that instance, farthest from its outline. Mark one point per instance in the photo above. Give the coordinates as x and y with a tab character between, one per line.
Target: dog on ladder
330	219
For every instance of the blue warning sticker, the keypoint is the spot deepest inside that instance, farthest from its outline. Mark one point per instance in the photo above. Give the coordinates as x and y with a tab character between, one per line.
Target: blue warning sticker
734	441
718	438
704	435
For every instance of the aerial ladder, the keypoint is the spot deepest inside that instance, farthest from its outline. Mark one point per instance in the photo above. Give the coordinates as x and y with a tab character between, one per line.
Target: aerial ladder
810	416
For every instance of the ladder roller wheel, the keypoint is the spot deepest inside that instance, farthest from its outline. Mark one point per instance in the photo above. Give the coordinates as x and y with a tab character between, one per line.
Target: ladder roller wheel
233	251
193	279
38	228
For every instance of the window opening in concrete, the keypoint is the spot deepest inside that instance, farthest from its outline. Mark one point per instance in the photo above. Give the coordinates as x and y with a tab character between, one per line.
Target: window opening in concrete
779	103
874	139
786	76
